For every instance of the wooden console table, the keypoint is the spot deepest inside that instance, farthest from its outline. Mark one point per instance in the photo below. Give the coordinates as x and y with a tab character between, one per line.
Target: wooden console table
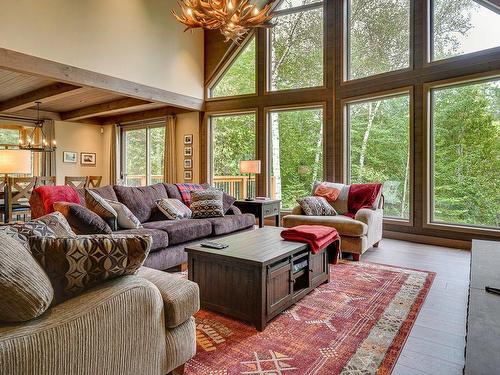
258	276
483	321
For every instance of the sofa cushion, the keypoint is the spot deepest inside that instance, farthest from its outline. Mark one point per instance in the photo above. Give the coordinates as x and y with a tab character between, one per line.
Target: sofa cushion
181	297
74	265
81	219
173	209
22	232
344	224
206	203
341	203
58	223
160	238
125	218
231	223
173	191
316	206
101	207
25	288
142	200
180	231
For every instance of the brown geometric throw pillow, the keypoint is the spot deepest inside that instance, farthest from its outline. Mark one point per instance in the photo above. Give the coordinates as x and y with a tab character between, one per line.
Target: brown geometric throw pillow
316	206
206	203
101	207
77	264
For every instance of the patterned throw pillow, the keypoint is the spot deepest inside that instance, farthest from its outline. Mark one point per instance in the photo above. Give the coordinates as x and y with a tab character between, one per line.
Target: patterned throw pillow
58	223
77	264
173	209
25	288
125	218
81	219
98	204
316	206
206	203
23	231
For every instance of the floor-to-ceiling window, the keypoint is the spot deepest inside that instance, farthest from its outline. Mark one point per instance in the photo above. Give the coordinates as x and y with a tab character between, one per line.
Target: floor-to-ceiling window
465	154
296	149
143	150
233	140
379	148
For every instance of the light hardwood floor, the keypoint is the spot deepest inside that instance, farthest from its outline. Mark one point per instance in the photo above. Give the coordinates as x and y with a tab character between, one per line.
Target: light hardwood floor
437	341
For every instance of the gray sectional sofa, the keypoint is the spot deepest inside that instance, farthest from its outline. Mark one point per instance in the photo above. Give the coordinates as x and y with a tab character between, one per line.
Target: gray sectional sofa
170	237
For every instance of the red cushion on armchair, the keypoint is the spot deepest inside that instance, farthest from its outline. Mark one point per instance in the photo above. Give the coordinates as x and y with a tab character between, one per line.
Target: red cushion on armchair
43	198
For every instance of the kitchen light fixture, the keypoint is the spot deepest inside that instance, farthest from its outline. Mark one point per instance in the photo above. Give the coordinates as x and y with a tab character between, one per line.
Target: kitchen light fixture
234	18
29	143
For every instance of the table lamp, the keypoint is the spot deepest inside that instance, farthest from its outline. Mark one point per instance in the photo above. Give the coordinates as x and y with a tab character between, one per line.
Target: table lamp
250	167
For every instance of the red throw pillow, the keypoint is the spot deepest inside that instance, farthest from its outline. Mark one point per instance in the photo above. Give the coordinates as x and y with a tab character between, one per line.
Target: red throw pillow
51	194
329	193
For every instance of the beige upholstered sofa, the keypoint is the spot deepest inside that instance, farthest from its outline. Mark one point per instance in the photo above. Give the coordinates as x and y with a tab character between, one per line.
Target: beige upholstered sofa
139	324
356	235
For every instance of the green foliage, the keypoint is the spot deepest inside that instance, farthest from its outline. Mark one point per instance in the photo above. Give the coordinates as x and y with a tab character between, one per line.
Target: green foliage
466	124
9	136
233	141
379	149
239	78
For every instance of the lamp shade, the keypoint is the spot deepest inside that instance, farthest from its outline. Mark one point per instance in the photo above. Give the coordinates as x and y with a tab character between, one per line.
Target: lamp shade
15	162
250	166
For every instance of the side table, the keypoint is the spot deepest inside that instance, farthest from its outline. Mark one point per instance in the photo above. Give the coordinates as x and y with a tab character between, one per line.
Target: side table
261	209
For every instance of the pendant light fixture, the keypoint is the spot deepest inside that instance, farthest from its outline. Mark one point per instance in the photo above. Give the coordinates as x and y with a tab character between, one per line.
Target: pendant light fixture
30	142
234	18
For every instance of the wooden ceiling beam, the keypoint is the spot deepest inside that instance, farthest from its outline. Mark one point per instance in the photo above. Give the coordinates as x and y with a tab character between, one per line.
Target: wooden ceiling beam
143	115
102	109
23	63
45	94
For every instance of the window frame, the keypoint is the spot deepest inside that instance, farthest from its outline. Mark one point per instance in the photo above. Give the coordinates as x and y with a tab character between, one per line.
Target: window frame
429	155
429	40
210	138
267	70
345	50
403	91
150	124
268	149
234	55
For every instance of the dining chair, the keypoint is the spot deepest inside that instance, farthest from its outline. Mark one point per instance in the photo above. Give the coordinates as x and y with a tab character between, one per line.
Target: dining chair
94	181
16	201
78	182
45	181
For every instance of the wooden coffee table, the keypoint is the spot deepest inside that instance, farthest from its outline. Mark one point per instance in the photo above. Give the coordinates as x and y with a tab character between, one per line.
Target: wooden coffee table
258	276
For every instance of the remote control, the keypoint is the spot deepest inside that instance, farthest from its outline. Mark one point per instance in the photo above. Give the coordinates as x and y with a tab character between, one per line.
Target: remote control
214	245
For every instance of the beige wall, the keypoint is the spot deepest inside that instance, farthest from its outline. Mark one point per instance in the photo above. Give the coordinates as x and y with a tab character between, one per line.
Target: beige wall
79	138
188	123
137	40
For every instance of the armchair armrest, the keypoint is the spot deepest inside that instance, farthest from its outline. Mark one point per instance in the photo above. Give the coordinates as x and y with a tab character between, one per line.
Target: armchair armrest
367	215
181	297
233	210
122	319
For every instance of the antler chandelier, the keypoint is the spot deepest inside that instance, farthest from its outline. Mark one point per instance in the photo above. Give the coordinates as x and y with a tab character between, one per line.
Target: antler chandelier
234	18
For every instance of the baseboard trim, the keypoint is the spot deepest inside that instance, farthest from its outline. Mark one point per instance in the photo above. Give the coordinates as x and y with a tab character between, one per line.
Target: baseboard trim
428	240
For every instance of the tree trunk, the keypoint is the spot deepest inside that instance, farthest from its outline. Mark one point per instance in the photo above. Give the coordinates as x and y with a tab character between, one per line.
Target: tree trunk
405	184
319	151
275	134
362	154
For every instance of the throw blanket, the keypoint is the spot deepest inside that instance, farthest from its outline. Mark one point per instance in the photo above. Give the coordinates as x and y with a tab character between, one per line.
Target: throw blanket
317	237
362	196
185	190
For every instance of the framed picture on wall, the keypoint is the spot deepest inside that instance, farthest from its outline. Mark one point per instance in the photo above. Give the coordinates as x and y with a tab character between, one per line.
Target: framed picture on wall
87	158
188	175
188	151
69	157
188	163
188	139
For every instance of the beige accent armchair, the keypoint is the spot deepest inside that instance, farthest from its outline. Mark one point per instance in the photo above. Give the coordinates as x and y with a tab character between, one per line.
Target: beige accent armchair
139	324
356	235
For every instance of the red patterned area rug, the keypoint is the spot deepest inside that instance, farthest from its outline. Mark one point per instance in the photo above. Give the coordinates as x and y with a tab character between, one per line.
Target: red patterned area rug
356	324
